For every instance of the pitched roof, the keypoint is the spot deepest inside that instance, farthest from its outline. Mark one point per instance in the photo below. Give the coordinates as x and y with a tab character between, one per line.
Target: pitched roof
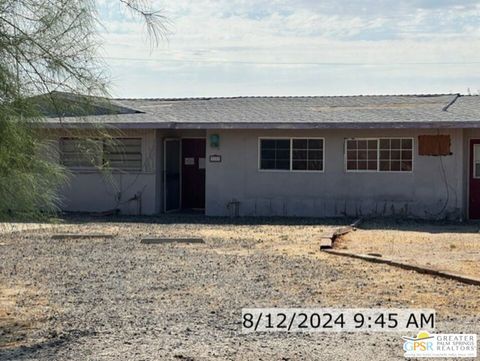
61	104
386	111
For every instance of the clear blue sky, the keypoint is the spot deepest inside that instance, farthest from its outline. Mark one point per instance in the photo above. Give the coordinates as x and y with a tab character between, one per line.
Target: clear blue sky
295	47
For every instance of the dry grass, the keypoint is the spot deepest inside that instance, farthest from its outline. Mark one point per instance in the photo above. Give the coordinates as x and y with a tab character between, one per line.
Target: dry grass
22	309
454	248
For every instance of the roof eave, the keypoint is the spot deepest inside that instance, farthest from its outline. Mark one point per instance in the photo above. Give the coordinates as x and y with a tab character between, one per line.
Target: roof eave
268	125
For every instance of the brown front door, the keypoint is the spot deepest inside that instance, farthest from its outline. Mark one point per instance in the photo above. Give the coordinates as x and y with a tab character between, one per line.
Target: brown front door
474	204
193	173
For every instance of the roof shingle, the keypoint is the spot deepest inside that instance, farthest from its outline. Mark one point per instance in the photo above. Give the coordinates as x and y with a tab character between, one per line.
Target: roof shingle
402	111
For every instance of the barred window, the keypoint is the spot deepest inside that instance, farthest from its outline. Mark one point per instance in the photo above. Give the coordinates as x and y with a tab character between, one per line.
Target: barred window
81	153
379	155
123	153
120	153
294	154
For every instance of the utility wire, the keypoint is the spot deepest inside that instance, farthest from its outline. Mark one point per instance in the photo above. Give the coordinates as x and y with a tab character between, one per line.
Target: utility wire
284	63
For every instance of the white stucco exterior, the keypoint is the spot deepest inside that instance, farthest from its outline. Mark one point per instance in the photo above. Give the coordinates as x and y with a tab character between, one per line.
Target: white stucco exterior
334	192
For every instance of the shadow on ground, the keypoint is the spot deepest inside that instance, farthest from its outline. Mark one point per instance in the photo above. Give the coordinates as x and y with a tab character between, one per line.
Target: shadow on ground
42	350
195	218
384	223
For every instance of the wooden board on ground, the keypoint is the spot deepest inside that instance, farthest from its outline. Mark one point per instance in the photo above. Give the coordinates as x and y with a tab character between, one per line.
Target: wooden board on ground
171	240
411	267
325	243
81	236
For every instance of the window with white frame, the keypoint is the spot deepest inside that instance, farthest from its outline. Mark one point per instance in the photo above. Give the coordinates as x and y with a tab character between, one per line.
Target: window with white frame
118	154
275	154
294	154
362	154
396	155
379	155
307	154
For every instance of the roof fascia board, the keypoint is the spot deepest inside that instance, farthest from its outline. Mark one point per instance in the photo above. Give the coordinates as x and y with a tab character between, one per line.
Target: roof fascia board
242	125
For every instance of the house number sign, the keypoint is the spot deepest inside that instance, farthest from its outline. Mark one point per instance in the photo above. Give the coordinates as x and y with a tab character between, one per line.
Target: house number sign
215	158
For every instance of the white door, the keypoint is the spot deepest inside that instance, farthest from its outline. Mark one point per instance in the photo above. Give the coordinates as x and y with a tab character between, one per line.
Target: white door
171	174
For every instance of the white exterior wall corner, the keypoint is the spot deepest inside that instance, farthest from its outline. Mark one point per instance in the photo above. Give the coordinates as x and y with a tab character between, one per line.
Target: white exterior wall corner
421	193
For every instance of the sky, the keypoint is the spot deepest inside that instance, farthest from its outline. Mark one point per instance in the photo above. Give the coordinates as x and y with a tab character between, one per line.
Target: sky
294	47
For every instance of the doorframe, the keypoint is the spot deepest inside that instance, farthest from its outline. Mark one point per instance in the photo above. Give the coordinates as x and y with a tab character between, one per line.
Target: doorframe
470	171
165	140
181	167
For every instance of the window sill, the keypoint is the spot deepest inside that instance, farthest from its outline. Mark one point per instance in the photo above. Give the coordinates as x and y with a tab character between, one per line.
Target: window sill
113	171
379	172
289	171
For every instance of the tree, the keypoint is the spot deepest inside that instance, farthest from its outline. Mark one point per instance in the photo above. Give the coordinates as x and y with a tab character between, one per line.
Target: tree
46	46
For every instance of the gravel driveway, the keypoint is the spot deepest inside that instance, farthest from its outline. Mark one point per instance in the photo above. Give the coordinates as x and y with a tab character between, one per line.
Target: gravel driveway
117	299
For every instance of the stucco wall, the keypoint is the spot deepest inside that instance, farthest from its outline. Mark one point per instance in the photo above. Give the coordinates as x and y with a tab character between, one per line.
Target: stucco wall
334	192
92	191
421	193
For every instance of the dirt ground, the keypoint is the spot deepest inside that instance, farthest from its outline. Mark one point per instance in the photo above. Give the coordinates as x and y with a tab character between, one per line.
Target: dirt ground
454	248
118	299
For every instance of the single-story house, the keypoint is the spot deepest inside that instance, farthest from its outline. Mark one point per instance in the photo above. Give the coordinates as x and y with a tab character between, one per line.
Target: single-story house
321	156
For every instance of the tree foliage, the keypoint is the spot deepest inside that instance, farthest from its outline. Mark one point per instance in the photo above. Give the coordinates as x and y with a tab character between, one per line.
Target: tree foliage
46	46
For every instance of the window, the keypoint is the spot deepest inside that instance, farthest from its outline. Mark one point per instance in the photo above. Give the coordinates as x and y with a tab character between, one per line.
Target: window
396	155
81	153
362	154
476	161
123	153
119	153
275	154
307	154
379	155
294	154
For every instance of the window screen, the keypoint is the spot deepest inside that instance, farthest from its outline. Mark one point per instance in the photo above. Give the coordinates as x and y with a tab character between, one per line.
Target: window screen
123	153
307	154
275	154
81	153
120	153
